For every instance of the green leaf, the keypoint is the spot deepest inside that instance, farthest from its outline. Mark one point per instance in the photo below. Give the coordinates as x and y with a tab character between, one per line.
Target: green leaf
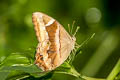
3	75
66	68
19	64
28	69
15	59
15	74
31	70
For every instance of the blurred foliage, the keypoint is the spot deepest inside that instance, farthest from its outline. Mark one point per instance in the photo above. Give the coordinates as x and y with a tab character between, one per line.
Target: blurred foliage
17	37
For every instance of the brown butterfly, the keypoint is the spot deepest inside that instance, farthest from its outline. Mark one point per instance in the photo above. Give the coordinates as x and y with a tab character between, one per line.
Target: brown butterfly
55	44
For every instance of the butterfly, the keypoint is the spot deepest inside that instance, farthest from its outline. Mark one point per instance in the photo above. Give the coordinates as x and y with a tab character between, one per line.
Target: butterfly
54	42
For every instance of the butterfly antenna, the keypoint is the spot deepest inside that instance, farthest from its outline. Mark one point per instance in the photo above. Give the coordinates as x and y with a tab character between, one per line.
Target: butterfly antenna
78	27
72	26
77	45
86	41
69	28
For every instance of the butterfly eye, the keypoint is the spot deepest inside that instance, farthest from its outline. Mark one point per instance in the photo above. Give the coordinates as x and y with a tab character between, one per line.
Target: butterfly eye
73	38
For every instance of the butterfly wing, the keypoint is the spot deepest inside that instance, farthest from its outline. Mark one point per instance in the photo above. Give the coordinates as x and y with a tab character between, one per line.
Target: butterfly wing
41	55
67	44
55	44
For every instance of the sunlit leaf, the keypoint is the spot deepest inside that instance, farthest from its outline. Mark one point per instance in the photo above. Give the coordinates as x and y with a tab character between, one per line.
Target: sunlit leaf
15	59
31	70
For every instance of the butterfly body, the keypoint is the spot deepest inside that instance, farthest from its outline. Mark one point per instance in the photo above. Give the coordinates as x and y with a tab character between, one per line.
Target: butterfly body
54	42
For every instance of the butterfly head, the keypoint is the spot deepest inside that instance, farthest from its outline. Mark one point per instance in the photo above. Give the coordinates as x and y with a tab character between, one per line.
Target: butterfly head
73	38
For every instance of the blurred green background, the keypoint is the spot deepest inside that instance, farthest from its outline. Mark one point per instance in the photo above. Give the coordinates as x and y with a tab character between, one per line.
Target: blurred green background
102	17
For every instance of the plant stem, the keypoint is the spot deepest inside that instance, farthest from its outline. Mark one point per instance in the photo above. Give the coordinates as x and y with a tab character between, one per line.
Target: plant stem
90	78
115	71
75	73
